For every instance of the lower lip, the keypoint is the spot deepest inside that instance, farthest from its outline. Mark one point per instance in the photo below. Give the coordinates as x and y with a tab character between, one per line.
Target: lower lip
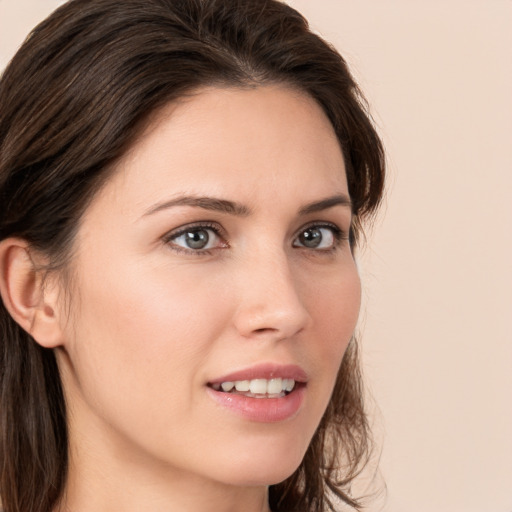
262	410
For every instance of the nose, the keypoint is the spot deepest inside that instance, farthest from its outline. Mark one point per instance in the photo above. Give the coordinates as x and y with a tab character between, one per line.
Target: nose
270	305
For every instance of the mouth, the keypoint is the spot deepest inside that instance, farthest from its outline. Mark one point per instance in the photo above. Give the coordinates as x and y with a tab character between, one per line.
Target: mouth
258	388
265	393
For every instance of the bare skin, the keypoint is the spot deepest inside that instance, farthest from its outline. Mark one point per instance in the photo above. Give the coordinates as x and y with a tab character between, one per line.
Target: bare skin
156	317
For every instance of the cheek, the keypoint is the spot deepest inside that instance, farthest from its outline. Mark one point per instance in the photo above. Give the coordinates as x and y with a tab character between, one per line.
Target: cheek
141	337
334	307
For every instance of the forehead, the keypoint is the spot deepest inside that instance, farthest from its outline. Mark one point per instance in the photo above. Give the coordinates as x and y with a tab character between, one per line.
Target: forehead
233	141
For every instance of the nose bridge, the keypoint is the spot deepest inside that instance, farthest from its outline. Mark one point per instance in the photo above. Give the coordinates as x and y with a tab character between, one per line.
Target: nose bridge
270	301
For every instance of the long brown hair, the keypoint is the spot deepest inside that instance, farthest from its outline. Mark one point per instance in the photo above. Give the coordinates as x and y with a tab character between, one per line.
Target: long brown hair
72	100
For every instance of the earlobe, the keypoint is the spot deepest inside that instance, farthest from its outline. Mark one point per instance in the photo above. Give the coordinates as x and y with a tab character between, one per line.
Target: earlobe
32	305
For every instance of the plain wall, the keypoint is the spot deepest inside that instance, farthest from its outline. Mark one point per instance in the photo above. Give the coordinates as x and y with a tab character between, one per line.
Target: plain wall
437	271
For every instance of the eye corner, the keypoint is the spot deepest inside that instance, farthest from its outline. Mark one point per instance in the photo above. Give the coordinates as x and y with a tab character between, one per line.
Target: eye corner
199	238
318	238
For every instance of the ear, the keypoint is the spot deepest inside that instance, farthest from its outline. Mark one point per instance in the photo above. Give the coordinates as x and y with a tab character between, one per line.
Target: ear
31	302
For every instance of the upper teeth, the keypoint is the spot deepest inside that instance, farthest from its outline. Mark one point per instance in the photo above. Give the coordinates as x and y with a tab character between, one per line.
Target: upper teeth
258	386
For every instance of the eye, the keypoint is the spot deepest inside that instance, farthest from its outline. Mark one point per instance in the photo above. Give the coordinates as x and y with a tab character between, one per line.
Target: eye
322	237
195	238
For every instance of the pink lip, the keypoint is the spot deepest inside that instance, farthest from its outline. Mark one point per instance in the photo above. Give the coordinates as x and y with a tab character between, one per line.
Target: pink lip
262	410
265	371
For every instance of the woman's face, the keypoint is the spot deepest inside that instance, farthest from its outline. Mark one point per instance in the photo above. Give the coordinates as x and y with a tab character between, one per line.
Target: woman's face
217	253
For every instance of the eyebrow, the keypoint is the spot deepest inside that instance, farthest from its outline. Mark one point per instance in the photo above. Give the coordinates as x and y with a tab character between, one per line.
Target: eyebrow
207	203
325	204
240	210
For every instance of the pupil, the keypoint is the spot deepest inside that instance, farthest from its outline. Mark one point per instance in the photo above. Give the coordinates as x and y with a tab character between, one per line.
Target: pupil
311	237
197	239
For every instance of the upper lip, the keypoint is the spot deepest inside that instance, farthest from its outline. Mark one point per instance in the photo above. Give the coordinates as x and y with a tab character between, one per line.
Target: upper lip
265	371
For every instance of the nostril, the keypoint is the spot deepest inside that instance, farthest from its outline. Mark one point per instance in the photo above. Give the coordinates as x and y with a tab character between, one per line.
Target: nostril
261	314
263	330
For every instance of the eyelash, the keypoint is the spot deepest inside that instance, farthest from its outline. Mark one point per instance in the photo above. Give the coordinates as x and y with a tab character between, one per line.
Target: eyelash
338	234
206	226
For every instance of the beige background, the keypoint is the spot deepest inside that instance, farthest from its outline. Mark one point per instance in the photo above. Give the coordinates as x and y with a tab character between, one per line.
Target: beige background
438	269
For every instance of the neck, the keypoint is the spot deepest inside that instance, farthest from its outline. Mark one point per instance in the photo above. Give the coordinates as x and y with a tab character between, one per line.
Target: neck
132	495
107	474
99	485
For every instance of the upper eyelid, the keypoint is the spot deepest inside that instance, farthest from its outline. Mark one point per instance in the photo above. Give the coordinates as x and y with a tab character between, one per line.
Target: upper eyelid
324	224
340	233
168	239
214	226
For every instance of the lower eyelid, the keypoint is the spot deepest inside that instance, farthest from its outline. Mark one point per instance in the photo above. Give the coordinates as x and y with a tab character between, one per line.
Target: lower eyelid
338	234
220	240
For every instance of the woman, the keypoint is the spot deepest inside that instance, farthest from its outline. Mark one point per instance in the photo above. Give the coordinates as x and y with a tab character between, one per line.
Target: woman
183	185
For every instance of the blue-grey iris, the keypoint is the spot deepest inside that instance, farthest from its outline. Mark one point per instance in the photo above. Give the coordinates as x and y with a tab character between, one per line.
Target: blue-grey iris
312	237
197	239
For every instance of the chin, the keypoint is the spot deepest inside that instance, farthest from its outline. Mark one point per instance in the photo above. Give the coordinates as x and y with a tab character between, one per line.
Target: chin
264	464
261	476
